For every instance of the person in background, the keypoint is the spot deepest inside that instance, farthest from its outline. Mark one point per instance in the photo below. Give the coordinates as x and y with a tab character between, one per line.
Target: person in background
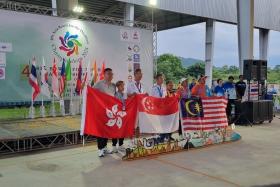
230	93
184	88
219	89
193	83
122	96
240	87
200	89
105	86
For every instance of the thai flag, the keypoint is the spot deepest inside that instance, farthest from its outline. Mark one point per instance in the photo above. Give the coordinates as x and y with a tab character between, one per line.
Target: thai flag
62	79
33	80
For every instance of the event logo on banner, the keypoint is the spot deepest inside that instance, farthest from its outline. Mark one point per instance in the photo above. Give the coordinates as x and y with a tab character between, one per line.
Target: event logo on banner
69	41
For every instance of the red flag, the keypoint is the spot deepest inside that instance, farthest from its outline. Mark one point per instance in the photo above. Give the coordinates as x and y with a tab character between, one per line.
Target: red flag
79	79
55	83
33	80
105	116
102	72
158	115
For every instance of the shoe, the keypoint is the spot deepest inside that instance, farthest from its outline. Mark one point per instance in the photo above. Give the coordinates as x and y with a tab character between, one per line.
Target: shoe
121	148
100	153
115	150
107	151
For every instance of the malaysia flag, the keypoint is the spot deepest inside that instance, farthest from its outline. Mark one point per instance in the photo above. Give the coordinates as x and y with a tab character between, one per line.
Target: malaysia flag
158	115
33	80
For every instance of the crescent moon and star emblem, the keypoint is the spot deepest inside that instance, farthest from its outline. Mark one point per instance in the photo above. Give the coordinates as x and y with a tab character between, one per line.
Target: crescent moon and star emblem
193	108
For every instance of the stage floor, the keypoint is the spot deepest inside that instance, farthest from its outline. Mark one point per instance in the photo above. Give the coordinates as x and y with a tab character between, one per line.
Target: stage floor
20	129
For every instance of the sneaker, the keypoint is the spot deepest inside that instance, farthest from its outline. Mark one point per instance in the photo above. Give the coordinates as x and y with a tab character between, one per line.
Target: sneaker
115	150
100	153
107	151
121	148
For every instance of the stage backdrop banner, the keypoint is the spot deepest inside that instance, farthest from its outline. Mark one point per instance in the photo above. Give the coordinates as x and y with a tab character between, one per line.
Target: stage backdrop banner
26	35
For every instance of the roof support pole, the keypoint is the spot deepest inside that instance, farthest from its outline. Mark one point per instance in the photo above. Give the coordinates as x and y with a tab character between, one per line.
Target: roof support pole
129	14
245	26
209	50
263	42
63	6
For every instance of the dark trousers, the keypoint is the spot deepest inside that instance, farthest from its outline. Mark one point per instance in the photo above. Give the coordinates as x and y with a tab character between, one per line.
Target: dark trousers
101	142
115	141
229	108
180	128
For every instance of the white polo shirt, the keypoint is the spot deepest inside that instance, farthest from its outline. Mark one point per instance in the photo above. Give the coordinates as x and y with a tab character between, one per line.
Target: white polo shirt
158	91
133	88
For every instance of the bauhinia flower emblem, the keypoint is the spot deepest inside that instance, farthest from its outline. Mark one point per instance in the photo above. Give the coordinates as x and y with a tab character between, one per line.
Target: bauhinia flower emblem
115	116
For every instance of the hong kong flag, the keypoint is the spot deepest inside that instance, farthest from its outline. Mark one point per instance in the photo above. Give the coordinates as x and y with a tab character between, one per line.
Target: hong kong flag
106	116
158	115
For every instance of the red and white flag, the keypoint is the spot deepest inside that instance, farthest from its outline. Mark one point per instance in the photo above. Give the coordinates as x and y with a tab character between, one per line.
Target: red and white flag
204	114
55	85
33	80
158	115
105	116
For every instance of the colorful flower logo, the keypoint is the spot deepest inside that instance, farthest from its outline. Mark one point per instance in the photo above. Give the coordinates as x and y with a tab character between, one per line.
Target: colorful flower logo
70	44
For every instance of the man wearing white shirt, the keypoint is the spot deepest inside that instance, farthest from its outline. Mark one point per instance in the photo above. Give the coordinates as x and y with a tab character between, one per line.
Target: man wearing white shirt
157	89
135	87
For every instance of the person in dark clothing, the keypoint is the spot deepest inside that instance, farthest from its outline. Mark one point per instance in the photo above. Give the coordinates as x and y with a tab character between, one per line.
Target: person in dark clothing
240	87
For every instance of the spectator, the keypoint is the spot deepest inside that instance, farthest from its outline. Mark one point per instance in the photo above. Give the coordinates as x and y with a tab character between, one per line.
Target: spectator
240	87
219	89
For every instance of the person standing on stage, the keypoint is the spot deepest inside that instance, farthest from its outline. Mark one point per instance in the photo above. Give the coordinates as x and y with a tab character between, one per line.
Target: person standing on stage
230	93
240	87
105	86
133	88
184	88
219	89
122	96
200	89
159	91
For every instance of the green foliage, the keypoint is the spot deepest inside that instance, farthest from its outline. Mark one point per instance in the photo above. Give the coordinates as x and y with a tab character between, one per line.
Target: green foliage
171	67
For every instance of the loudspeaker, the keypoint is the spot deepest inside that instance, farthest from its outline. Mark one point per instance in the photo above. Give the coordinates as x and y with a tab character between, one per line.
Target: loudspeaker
250	70
262	70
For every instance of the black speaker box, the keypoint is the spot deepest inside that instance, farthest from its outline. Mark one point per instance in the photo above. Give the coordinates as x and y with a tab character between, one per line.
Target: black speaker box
262	70
250	70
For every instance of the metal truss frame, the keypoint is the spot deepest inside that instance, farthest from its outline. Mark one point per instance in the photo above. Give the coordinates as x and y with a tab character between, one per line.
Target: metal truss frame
28	8
42	142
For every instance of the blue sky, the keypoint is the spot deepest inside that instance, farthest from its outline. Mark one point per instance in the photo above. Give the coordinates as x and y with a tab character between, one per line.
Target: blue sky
188	42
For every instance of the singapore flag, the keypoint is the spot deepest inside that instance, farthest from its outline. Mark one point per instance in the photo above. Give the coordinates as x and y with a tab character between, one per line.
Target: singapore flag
158	115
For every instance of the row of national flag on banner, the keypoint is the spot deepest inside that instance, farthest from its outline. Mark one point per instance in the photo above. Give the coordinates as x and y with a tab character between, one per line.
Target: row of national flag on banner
59	79
105	116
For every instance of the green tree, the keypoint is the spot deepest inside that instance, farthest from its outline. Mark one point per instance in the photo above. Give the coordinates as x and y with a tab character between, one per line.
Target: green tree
196	70
171	67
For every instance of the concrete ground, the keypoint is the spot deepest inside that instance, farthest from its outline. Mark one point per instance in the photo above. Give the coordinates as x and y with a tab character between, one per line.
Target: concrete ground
252	161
